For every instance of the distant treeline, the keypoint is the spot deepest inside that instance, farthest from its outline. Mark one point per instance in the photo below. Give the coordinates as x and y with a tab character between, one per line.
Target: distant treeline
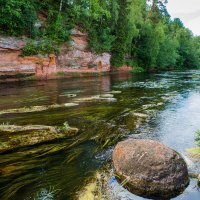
136	32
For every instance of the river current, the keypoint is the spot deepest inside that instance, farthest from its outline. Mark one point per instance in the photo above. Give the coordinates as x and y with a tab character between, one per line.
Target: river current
163	106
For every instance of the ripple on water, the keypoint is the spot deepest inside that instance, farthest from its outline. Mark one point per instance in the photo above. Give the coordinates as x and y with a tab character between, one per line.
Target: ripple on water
157	84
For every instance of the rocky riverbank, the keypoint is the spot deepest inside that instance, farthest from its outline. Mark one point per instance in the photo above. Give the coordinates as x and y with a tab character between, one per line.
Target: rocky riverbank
75	59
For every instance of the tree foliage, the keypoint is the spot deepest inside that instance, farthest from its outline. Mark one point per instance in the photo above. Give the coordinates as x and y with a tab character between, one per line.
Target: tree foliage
136	32
17	17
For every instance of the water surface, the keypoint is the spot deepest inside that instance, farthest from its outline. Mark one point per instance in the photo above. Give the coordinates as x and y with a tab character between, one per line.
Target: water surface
171	100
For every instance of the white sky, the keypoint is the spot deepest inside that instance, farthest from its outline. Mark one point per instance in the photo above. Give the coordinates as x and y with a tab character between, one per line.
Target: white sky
188	11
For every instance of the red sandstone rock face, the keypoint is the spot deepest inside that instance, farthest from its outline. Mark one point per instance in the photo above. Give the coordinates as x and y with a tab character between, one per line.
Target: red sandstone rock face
12	63
74	57
77	57
151	169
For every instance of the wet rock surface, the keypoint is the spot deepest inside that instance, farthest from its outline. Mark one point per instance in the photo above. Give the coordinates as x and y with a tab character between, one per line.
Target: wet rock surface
150	168
98	98
13	136
31	109
194	152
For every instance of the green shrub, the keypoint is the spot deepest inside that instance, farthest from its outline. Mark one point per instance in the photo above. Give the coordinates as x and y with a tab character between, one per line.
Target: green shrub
131	63
61	73
137	70
198	137
100	40
66	126
58	31
40	47
17	17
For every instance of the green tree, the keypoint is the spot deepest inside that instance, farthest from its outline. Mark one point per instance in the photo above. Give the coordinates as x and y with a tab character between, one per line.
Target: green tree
135	32
17	17
119	48
168	53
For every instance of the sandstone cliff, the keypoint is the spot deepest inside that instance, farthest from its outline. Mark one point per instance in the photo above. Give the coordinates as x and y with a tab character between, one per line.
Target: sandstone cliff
75	56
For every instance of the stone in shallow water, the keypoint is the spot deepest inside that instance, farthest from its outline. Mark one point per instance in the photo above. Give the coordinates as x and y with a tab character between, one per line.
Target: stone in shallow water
141	115
106	96
150	168
12	136
71	104
147	106
115	92
68	95
30	109
96	98
194	152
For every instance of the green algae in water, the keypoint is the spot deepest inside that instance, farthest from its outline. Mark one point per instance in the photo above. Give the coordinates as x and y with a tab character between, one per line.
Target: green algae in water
194	151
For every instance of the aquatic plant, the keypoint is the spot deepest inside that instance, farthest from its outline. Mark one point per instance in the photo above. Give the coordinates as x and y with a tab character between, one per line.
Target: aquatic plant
5	124
46	194
66	126
60	73
198	137
96	186
195	151
30	109
195	76
137	70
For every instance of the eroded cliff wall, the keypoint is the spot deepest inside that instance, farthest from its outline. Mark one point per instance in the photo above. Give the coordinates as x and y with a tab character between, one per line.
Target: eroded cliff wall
75	56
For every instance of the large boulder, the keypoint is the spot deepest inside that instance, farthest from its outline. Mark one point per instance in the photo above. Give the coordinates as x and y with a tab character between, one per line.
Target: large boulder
150	168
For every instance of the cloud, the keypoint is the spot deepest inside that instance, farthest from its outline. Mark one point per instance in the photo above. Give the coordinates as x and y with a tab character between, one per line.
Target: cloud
188	16
187	11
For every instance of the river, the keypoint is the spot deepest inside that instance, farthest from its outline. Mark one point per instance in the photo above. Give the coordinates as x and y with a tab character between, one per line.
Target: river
163	106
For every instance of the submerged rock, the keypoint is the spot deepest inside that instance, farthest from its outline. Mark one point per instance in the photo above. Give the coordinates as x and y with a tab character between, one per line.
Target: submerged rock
148	106
69	95
141	115
115	92
71	104
98	98
36	108
195	176
194	152
89	192
106	96
12	136
30	109
150	168
97	188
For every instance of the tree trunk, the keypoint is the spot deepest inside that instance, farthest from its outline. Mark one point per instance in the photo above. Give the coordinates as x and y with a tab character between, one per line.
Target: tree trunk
61	4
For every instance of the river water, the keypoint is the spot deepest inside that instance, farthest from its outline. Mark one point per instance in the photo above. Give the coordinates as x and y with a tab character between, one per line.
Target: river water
163	106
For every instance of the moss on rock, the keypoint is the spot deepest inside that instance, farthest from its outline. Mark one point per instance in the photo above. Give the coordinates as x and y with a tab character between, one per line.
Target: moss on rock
194	152
13	136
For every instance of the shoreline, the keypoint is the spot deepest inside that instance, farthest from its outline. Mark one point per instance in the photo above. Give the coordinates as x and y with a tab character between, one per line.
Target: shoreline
17	77
20	77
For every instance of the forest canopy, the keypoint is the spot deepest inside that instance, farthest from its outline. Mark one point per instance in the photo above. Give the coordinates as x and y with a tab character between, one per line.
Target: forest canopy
135	32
